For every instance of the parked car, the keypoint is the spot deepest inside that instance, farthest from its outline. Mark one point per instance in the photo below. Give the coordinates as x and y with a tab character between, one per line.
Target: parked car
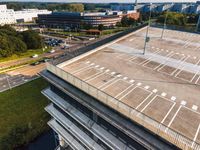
35	63
52	51
35	56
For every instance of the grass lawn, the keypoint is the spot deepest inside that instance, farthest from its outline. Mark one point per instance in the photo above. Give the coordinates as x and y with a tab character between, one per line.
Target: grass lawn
29	53
23	108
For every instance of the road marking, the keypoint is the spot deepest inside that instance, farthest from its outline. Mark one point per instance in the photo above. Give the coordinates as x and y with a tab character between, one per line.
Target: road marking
173	98
155	91
195	137
173	118
183	103
195	107
163	94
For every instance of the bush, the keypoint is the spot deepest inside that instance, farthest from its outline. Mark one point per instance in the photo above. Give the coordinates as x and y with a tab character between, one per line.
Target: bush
14	138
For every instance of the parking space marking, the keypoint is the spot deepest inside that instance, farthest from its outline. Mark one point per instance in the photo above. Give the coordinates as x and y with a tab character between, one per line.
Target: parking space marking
88	73
132	90
173	117
198	79
182	70
84	68
115	91
195	137
180	61
174	103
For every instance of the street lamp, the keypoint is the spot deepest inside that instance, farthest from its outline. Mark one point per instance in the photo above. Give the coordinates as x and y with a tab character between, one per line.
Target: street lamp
164	25
198	24
147	32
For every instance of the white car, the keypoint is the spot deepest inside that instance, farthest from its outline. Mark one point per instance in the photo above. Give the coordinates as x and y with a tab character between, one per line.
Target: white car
35	56
52	51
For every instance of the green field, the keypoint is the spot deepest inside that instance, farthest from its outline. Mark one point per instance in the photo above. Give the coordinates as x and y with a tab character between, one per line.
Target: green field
22	115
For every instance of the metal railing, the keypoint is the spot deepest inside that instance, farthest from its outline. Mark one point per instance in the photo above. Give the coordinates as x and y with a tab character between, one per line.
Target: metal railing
156	127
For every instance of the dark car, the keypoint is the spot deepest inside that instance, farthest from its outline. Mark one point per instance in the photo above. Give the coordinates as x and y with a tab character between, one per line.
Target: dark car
35	63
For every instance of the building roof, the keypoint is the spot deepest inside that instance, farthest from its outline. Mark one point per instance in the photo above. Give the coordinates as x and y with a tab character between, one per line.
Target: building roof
159	90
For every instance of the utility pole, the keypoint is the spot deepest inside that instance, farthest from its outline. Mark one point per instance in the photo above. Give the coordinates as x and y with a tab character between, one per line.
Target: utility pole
198	25
135	2
147	32
164	25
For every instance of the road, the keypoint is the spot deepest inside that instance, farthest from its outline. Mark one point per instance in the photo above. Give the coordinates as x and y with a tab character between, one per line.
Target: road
24	60
19	76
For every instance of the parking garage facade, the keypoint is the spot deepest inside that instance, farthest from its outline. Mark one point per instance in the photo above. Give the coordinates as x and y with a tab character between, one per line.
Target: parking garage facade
82	122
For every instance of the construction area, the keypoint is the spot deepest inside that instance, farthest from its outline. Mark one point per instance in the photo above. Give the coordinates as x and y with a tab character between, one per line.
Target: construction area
159	89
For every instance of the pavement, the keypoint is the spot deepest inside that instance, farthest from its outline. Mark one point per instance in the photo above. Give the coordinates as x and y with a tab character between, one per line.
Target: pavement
19	76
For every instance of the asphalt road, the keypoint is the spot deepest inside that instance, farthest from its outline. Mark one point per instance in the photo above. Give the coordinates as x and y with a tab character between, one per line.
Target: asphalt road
24	60
19	76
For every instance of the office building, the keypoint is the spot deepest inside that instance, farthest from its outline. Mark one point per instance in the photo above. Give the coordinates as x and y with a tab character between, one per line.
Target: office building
76	20
9	16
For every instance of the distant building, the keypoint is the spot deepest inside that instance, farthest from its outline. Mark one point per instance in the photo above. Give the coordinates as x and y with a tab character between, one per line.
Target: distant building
193	9
122	7
188	8
28	15
75	20
9	16
163	7
181	8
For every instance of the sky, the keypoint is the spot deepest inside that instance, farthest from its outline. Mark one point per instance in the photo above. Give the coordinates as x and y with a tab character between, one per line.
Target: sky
103	1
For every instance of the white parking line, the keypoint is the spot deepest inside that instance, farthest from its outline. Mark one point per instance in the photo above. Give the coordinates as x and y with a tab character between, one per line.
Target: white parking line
183	69
124	90
166	64
84	68
173	117
150	93
195	137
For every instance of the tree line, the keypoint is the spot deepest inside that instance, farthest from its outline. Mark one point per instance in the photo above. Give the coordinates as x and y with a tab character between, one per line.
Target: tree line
180	19
72	7
13	42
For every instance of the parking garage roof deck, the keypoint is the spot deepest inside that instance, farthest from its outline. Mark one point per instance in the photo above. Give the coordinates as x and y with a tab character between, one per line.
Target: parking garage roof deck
163	84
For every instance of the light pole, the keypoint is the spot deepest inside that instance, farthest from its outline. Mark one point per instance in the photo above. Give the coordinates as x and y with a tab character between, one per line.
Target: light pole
164	25
147	32
198	24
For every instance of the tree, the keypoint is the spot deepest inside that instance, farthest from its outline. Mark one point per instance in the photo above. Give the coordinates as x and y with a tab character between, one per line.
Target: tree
86	26
5	46
18	45
32	39
101	27
15	137
173	18
124	21
127	21
118	24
